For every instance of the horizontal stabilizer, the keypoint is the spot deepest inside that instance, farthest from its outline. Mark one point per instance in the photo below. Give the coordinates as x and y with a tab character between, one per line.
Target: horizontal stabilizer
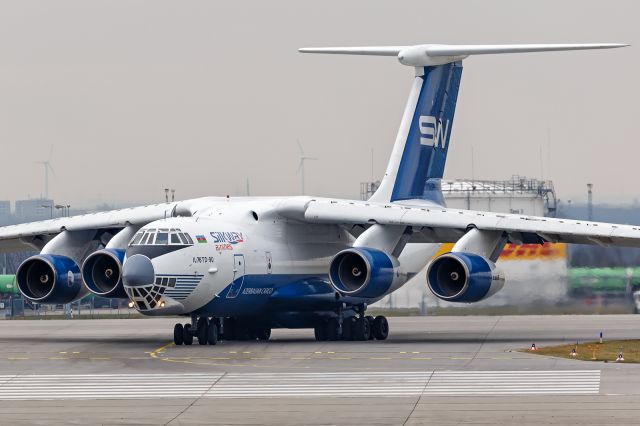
373	51
437	54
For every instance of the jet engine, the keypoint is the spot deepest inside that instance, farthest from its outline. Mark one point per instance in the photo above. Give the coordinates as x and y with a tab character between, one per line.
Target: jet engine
47	278
463	277
362	272
102	273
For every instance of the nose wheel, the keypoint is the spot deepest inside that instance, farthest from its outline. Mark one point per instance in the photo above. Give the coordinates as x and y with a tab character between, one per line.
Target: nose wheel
183	334
178	334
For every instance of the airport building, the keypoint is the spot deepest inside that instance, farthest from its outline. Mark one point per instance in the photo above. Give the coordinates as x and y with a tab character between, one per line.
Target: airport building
5	212
33	209
519	195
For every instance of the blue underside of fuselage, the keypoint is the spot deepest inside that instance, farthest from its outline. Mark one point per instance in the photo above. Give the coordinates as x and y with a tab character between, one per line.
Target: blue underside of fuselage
274	295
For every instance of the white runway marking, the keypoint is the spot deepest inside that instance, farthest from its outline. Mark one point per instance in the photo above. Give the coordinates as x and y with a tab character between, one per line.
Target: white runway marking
259	385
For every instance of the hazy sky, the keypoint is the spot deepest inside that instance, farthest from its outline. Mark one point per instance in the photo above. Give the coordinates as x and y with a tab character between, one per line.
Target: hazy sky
136	96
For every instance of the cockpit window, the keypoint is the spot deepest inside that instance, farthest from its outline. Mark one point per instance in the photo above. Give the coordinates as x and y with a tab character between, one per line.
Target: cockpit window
162	238
136	239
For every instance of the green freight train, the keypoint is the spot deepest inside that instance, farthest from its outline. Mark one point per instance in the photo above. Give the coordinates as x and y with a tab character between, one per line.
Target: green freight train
8	285
604	280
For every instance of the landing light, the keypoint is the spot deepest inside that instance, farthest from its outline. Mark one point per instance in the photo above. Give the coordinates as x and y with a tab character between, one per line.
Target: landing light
130	305
162	304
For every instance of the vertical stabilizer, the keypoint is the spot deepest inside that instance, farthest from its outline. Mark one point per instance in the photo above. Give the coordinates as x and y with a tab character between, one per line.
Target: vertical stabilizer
420	151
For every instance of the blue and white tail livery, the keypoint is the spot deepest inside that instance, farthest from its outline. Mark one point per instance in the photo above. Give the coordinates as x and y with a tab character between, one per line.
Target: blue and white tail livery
423	138
418	158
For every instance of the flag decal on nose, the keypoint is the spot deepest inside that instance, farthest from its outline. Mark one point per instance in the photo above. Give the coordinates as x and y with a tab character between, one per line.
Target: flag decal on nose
201	238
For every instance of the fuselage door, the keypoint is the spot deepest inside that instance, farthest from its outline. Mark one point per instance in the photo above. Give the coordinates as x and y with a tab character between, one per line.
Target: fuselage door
238	276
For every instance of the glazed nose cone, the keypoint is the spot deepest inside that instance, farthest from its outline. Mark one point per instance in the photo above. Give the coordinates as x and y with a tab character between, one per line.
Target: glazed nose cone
138	271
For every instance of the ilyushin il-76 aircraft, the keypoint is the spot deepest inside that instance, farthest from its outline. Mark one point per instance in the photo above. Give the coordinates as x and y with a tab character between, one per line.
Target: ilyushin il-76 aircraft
239	267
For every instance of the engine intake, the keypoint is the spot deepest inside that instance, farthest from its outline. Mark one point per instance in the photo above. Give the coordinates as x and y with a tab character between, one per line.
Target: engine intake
47	278
463	277
362	272
102	273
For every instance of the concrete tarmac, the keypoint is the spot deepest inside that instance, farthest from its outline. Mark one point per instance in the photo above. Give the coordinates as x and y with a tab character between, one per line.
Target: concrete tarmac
436	370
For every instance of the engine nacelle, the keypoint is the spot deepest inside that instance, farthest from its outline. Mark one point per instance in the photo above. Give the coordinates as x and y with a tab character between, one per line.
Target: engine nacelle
463	277
102	273
49	278
362	272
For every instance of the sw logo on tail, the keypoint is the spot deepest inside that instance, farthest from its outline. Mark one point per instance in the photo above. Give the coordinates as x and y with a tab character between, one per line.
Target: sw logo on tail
431	131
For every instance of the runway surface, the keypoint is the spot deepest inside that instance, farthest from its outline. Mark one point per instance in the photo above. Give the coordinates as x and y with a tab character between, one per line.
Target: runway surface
440	370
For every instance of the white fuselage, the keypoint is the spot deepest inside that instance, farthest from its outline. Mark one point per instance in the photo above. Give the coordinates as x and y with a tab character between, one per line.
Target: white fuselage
240	256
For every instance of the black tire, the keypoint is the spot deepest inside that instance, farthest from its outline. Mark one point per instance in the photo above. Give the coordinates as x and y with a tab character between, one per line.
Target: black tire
361	329
187	336
370	319
333	328
178	334
263	333
347	328
380	328
202	330
320	331
212	332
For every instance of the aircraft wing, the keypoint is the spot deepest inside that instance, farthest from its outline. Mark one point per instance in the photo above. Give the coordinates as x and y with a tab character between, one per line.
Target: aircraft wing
21	236
441	224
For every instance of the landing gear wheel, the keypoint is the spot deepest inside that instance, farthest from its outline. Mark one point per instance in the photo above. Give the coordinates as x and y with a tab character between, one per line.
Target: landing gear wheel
333	329
361	329
370	319
178	334
347	328
320	331
380	328
187	336
202	330
212	332
263	333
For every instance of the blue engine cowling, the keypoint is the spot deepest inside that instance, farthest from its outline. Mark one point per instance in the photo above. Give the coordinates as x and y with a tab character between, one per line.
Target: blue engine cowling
463	277
102	273
362	272
48	278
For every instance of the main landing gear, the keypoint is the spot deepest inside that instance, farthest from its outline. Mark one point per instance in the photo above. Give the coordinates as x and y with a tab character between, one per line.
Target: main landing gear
212	330
353	328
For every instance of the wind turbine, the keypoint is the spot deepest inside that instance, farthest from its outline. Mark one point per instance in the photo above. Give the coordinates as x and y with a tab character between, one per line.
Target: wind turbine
47	168
303	158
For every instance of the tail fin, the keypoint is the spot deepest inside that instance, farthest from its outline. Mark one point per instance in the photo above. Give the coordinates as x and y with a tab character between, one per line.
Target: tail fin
420	151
